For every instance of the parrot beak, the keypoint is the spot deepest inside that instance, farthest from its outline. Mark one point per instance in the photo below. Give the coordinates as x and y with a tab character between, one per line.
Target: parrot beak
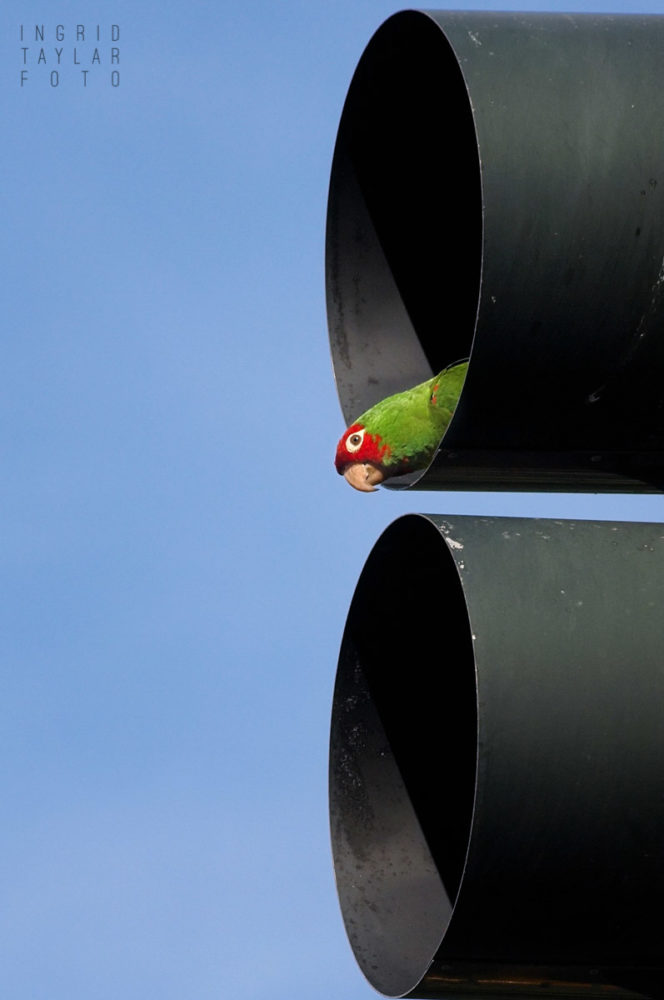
363	476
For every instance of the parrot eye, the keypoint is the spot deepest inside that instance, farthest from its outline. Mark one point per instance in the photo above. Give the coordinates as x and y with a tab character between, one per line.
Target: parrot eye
355	441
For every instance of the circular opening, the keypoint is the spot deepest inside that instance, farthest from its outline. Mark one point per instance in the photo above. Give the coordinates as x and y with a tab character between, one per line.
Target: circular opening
404	233
403	755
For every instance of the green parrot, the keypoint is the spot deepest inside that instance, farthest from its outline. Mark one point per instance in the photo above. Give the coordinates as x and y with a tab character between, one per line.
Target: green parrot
401	433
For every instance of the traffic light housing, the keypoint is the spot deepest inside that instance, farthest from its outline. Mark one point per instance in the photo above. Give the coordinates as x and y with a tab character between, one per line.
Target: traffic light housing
497	193
496	799
496	794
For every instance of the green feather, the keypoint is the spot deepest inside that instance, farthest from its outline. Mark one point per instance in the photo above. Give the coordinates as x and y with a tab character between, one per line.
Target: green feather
413	422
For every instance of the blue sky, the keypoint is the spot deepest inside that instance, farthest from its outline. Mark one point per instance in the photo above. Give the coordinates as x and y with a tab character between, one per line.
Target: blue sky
178	553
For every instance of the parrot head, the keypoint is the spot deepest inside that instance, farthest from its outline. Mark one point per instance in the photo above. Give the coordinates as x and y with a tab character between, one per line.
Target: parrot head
361	457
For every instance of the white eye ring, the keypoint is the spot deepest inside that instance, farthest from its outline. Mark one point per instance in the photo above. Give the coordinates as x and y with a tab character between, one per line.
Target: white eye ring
354	441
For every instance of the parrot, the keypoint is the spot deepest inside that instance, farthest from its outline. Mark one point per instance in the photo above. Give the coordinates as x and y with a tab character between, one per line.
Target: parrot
401	433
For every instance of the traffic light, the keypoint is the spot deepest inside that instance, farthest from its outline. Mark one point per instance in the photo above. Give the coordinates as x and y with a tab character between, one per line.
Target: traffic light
496	791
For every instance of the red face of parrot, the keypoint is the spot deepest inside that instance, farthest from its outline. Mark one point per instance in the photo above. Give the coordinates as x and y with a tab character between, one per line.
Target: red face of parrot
360	458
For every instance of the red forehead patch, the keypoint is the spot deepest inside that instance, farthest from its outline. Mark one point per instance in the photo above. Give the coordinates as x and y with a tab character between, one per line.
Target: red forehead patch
367	449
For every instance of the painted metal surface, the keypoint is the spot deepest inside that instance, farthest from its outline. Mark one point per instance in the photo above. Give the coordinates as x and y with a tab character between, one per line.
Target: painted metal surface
497	192
496	782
